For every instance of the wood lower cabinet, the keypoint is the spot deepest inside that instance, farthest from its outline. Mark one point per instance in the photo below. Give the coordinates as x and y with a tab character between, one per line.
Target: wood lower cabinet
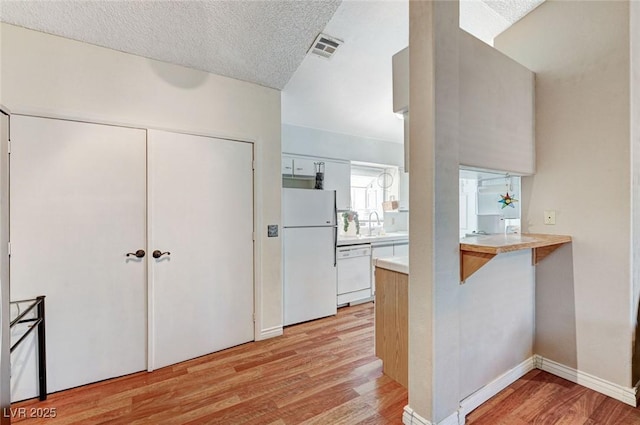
392	325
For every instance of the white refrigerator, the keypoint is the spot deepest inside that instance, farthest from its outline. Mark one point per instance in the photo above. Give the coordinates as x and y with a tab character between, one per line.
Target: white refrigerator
309	255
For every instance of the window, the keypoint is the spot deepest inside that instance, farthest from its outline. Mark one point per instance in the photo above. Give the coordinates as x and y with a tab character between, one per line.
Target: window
481	206
371	185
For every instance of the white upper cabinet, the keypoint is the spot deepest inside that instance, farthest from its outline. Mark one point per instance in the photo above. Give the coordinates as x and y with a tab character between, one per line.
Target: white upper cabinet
400	65
303	167
496	115
400	70
337	176
295	166
287	165
300	172
496	109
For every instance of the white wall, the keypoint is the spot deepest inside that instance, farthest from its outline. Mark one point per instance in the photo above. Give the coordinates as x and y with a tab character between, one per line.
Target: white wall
326	144
496	319
434	344
580	54
51	75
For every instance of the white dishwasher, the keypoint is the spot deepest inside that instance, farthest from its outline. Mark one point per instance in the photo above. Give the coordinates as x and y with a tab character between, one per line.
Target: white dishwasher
354	274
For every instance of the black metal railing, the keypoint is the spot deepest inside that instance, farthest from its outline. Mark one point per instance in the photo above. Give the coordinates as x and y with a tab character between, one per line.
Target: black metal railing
38	323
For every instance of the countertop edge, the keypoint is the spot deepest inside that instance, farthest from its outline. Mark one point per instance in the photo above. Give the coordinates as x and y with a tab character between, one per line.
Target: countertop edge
373	240
541	240
394	264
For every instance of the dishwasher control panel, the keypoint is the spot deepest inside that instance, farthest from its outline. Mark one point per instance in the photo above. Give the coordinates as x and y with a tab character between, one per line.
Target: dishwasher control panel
354	251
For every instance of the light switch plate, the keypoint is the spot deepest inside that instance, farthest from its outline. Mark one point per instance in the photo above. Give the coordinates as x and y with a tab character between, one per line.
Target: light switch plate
272	230
549	217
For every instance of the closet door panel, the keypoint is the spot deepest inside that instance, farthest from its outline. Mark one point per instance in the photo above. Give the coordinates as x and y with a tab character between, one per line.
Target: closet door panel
77	207
201	213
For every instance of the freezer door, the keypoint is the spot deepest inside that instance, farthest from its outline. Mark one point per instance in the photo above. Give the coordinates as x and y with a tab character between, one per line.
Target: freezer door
310	277
308	207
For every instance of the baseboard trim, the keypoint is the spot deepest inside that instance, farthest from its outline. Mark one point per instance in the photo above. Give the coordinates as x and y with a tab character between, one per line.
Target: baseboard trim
626	395
452	419
474	400
623	394
270	333
410	417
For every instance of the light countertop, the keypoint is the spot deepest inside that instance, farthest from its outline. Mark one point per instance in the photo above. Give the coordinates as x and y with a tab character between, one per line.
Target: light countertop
395	264
476	251
485	245
496	244
362	239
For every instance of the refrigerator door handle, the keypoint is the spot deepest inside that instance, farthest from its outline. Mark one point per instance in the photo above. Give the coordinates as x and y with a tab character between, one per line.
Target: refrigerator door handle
335	246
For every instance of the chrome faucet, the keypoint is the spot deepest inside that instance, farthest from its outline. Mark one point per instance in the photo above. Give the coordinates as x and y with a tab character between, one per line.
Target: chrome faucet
377	220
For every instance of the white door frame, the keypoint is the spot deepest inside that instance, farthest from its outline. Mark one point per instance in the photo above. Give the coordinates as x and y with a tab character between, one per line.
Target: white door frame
5	334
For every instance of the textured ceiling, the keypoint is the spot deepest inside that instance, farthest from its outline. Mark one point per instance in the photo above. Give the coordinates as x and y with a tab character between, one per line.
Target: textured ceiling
513	10
485	19
256	41
265	42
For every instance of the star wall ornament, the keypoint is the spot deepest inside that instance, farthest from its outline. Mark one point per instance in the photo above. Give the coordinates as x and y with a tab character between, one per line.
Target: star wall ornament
507	201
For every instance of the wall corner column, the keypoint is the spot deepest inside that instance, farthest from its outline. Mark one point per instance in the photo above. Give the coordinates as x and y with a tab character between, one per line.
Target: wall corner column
434	321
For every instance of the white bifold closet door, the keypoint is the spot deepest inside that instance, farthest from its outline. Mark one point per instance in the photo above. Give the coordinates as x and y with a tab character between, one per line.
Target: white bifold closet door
201	213
78	206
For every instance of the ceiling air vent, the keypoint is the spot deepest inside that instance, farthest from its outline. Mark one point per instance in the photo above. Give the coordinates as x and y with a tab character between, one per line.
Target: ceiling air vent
325	46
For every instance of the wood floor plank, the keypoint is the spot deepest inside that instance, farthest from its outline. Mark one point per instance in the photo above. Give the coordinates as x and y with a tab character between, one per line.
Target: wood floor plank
543	399
575	406
613	412
549	398
490	404
522	396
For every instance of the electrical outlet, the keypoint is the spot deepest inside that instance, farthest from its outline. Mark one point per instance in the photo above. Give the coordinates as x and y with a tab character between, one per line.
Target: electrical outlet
549	217
272	230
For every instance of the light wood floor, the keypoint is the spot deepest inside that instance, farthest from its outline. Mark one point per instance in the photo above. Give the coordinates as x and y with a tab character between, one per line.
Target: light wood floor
322	372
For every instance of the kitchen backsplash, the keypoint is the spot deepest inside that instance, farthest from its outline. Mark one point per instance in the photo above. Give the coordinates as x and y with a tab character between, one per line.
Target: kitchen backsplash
396	221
